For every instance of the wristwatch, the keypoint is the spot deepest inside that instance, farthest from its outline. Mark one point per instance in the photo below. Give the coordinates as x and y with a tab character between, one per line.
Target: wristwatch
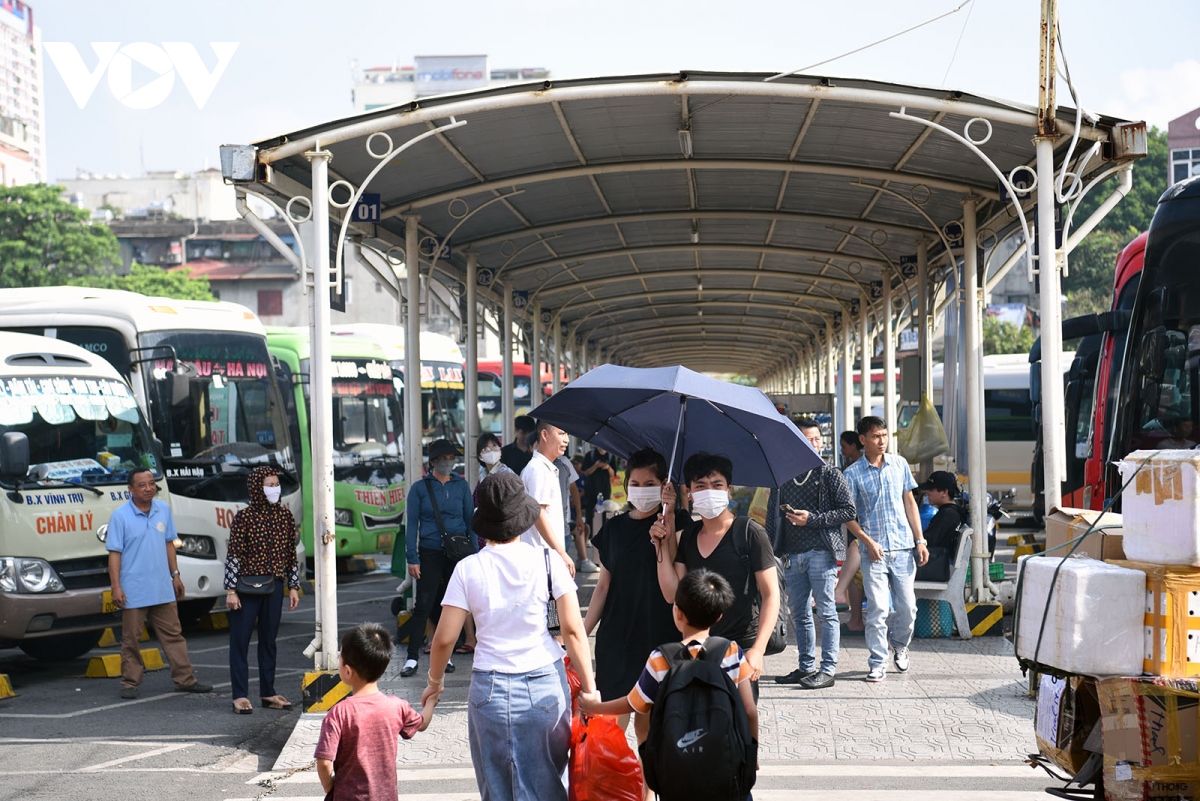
174	573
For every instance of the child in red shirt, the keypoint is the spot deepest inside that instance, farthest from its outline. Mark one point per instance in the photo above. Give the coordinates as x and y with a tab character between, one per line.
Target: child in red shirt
356	755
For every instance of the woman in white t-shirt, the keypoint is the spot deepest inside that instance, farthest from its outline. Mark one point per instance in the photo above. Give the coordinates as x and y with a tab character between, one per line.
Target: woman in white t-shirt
519	710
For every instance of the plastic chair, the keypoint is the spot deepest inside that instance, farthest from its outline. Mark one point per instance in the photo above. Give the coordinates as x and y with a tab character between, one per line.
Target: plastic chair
953	591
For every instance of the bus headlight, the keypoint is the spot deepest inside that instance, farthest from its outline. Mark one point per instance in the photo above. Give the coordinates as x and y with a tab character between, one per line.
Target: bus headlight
198	546
28	575
343	517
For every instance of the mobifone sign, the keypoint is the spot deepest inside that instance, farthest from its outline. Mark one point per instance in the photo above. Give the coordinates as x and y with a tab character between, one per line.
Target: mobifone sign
118	61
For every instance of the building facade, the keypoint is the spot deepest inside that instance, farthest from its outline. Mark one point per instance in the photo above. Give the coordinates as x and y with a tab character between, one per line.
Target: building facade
201	195
1183	145
377	87
22	97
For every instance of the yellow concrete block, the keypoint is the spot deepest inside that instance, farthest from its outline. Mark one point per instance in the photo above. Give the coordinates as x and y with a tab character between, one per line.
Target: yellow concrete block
104	667
6	689
108	639
151	658
322	689
1027	550
215	621
1016	539
145	635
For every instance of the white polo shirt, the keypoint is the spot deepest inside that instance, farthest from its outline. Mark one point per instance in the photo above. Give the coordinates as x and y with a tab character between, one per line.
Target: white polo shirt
541	482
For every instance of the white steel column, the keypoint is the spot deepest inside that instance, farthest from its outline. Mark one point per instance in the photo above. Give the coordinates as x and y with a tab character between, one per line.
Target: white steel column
830	355
535	357
812	385
890	412
507	404
557	364
321	417
864	365
977	456
925	332
471	379
414	462
847	394
819	369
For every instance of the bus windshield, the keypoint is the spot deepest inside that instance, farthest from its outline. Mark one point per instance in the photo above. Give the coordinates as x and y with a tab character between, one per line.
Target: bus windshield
214	402
443	402
491	400
366	413
82	431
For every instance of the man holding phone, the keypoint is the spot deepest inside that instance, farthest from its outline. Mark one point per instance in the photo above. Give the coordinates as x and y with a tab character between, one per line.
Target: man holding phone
804	520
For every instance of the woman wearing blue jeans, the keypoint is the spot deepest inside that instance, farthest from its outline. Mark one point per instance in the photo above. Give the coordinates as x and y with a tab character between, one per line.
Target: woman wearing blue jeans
519	709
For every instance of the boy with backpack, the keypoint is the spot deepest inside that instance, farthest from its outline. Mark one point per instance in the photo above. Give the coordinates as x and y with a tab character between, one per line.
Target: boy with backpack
703	737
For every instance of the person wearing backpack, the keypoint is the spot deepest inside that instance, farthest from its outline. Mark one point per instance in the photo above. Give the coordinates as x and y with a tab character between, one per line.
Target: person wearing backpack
735	547
702	744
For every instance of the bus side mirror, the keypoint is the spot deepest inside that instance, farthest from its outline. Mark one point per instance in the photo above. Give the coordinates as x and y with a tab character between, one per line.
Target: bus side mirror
1151	354
156	448
14	455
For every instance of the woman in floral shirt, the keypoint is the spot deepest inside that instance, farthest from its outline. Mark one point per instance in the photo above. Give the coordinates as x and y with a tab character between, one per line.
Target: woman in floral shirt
262	545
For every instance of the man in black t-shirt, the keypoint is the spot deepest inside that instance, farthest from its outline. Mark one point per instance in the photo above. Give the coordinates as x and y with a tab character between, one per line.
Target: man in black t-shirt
599	466
941	488
517	453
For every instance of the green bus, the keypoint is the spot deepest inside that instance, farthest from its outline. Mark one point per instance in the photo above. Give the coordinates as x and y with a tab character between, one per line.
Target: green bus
368	461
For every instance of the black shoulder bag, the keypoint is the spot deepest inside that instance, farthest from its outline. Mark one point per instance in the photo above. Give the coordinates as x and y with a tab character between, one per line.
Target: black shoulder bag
455	546
741	542
552	622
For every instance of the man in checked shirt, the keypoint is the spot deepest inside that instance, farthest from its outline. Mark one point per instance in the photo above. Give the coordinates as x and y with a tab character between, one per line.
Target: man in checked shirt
804	520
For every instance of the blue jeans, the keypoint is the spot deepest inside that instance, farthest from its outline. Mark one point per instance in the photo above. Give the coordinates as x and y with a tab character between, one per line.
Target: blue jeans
888	583
519	727
813	575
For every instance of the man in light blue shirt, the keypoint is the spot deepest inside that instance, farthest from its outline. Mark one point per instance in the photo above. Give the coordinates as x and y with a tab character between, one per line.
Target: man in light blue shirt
888	529
146	584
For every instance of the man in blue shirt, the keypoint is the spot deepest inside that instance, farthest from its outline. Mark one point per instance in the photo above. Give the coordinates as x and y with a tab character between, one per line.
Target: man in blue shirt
146	584
888	529
427	561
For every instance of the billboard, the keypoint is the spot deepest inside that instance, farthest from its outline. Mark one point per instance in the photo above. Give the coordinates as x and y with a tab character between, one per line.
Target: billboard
437	75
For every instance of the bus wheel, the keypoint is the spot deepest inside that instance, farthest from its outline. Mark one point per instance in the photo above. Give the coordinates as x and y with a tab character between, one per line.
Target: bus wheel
62	648
190	612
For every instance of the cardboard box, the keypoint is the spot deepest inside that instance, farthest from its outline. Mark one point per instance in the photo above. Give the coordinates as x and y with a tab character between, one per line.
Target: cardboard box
1067	711
1172	632
1105	542
1151	734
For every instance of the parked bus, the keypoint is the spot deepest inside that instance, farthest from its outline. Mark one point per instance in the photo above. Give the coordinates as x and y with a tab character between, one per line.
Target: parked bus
1159	370
70	433
368	465
202	376
491	395
443	396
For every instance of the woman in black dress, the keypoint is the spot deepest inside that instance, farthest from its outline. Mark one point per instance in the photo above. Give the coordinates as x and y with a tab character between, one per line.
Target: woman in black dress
627	602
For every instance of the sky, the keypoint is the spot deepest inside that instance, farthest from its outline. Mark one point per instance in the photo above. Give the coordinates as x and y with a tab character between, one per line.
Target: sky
292	64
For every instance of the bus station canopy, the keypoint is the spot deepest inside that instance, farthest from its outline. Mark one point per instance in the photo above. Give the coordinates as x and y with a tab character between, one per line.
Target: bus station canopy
715	220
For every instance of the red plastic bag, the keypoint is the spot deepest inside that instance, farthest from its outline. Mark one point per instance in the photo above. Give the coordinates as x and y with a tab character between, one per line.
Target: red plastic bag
603	766
575	684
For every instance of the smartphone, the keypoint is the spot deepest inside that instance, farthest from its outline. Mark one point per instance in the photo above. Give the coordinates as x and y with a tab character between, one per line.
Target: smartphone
787	509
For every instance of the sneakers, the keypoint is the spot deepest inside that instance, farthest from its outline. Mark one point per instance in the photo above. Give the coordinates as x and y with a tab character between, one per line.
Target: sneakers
797	676
876	674
900	657
129	693
817	681
410	667
449	667
587	566
194	687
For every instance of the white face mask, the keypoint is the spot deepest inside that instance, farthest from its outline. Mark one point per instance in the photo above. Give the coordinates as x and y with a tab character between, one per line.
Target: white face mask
710	503
489	457
273	494
645	499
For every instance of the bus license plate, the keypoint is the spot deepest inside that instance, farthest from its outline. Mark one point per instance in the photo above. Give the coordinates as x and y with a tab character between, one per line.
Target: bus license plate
108	605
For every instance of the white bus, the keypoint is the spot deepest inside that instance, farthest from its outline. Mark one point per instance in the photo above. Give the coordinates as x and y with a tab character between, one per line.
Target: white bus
70	433
205	381
443	398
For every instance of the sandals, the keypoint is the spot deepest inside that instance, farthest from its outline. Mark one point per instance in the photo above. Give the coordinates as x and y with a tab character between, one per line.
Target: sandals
276	702
465	649
238	709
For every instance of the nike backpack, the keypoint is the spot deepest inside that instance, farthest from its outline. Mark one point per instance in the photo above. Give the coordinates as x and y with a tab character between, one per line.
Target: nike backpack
699	747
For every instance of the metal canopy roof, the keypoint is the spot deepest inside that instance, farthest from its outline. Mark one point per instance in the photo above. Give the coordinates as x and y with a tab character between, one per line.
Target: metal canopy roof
613	201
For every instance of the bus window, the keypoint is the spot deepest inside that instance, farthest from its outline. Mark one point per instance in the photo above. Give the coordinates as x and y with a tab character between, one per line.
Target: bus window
1008	415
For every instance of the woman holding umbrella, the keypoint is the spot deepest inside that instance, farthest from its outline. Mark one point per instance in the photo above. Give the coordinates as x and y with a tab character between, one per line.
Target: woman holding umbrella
735	547
627	602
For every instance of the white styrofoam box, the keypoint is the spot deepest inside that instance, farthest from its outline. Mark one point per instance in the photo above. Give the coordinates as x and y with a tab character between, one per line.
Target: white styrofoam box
1161	507
1094	626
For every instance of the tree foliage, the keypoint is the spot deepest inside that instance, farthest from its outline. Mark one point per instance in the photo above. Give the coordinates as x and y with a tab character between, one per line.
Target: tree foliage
1001	336
1092	265
45	240
150	280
